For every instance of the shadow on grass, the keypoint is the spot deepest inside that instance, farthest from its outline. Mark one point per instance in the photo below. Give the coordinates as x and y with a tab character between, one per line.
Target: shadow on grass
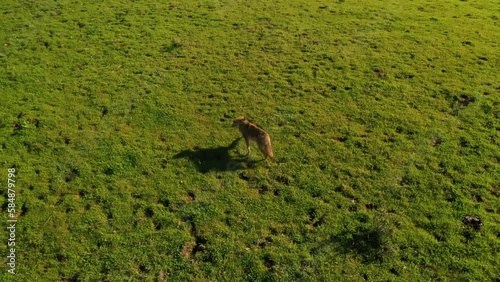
215	159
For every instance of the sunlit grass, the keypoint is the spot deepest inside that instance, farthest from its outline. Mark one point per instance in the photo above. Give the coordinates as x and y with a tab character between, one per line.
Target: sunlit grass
384	117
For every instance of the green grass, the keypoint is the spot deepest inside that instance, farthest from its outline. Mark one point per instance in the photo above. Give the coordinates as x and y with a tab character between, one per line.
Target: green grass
384	117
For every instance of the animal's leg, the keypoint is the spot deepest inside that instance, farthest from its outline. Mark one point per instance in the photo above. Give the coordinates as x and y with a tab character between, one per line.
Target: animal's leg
248	146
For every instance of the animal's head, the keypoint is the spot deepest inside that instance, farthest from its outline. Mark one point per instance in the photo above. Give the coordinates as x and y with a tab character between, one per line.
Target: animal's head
238	121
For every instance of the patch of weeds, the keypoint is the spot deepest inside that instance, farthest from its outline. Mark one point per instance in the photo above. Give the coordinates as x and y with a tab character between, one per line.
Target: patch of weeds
367	238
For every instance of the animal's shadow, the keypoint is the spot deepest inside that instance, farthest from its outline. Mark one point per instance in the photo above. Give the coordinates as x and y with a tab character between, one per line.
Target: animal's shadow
215	159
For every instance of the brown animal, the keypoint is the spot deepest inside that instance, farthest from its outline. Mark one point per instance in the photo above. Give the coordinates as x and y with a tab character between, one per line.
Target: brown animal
252	132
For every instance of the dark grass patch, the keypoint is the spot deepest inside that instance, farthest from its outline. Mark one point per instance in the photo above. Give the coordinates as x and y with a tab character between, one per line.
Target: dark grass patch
168	48
364	238
74	173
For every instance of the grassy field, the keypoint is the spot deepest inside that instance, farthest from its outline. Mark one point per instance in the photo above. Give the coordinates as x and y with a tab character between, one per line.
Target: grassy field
384	117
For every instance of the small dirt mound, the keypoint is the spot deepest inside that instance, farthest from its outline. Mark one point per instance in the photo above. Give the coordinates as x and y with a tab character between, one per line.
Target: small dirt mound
473	221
